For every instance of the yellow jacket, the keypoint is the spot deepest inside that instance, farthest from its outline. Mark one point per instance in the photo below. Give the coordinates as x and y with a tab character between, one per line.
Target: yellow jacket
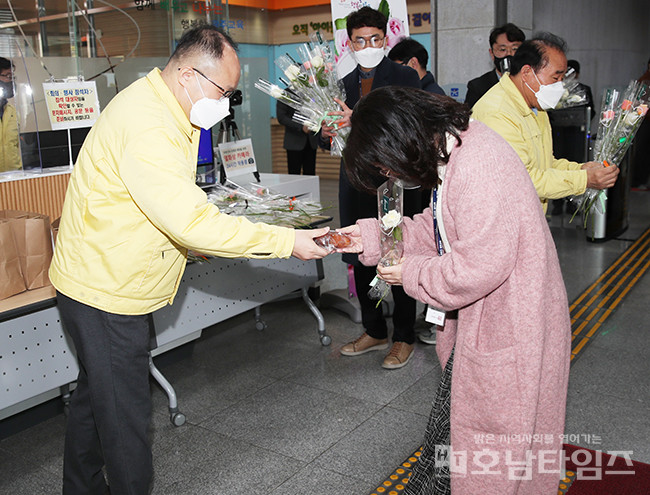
504	109
9	150
132	208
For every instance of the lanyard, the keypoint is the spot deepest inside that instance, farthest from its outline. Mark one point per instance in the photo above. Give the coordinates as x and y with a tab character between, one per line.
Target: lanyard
436	230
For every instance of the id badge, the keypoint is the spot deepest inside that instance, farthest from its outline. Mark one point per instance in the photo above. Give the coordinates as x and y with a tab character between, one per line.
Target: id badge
435	316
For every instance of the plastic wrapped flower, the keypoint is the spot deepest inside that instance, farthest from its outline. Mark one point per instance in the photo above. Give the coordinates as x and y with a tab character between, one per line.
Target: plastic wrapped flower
389	205
277	92
618	125
312	88
391	220
292	72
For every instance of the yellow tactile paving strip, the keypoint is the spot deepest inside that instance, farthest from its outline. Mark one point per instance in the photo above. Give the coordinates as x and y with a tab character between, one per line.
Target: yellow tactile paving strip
398	479
588	312
600	300
396	482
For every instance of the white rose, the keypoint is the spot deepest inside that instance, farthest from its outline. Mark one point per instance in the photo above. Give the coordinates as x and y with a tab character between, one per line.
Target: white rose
317	61
277	92
292	72
632	118
391	219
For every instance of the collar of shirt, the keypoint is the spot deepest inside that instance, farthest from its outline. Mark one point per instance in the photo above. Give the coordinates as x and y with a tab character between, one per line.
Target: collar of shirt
515	95
166	95
367	75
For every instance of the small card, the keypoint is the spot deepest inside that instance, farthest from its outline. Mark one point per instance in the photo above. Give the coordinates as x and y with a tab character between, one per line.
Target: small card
435	316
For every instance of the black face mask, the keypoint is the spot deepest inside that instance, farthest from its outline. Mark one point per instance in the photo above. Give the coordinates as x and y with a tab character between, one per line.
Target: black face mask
503	64
6	90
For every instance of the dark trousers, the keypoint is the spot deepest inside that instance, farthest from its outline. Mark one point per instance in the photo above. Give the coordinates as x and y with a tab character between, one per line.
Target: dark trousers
372	317
110	409
304	159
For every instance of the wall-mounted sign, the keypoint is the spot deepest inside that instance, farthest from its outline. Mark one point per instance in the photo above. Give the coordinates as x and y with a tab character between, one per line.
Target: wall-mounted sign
71	105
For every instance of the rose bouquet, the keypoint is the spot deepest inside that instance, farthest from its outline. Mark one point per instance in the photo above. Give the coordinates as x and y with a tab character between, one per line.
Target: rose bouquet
258	204
390	211
617	126
574	93
311	86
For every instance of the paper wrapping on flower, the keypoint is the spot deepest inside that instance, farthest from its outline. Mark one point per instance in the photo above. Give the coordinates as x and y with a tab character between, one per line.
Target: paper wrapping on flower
390	211
311	86
618	123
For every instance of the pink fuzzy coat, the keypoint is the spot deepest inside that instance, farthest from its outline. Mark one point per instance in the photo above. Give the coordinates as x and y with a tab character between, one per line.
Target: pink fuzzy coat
512	336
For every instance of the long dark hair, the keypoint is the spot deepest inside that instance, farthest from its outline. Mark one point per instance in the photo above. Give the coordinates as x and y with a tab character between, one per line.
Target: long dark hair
404	131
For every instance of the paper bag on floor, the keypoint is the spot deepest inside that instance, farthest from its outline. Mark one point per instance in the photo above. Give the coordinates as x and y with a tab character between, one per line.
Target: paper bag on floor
11	276
34	242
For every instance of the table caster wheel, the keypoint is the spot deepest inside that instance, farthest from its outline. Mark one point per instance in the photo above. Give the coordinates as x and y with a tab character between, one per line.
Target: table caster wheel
260	325
325	340
177	419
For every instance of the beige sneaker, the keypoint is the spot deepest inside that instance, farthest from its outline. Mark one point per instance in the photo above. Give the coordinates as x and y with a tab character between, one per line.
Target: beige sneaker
364	344
399	355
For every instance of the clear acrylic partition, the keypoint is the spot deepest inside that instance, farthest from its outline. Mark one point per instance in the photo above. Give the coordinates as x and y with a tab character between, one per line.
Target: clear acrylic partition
114	47
249	28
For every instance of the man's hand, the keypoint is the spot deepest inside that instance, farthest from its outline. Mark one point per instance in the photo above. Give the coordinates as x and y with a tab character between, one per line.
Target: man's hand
599	176
304	247
354	233
391	274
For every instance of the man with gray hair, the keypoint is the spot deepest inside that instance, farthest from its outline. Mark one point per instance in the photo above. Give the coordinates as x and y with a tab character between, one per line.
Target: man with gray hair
516	108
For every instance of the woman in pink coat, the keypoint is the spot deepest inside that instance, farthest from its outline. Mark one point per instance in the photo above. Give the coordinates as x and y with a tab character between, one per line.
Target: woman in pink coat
490	263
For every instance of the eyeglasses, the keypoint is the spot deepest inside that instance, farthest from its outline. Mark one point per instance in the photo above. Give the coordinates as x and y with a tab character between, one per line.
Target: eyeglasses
502	51
374	41
8	75
226	94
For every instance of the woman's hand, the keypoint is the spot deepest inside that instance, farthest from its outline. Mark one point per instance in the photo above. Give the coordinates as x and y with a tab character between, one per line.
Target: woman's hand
391	274
354	233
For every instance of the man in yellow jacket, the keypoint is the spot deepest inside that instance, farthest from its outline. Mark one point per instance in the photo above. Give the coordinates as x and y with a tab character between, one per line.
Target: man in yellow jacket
9	149
131	211
516	108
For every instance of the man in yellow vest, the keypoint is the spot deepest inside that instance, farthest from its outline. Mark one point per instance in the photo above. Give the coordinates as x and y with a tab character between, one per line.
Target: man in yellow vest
516	107
9	148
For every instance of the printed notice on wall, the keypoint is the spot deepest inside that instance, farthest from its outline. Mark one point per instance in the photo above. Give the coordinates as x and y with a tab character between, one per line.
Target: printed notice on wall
72	104
238	157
